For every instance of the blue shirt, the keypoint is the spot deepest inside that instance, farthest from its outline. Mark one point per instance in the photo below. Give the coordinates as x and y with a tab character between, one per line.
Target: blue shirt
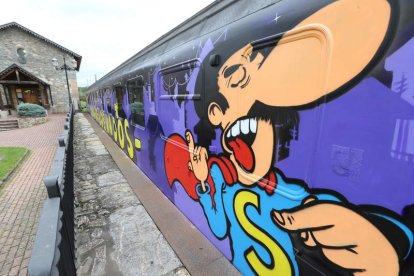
245	214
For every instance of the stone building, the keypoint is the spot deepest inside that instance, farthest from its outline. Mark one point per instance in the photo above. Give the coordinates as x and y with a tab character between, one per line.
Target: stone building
27	73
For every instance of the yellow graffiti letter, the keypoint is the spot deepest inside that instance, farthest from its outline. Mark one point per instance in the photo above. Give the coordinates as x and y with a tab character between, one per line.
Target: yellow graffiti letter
109	123
130	148
121	134
280	264
115	130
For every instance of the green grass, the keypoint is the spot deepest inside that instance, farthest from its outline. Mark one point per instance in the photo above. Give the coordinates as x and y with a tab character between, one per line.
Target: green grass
9	157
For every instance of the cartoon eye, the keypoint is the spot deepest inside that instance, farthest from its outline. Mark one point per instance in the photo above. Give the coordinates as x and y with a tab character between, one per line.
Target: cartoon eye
241	81
228	71
236	76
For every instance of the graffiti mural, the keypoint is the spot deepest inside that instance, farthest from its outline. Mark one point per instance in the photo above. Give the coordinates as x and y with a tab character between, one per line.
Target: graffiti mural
288	147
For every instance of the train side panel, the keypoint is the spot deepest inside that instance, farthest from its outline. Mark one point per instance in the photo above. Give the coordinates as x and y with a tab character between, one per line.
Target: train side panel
286	137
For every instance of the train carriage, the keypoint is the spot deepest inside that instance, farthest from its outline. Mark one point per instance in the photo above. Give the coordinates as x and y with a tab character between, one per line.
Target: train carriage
283	130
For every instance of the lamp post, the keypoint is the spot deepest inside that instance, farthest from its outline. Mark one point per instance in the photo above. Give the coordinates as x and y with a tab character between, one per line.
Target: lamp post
66	68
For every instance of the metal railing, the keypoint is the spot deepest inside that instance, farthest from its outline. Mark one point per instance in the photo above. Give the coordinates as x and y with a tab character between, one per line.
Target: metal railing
53	252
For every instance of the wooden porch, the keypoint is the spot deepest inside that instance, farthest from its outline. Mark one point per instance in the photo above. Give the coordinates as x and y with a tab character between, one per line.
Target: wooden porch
20	86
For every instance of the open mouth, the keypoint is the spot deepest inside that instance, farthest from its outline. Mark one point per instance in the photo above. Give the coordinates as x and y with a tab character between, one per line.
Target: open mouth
239	138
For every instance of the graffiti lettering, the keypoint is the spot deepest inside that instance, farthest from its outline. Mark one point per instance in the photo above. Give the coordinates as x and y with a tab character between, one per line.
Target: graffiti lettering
115	130
130	148
121	135
109	124
118	129
242	200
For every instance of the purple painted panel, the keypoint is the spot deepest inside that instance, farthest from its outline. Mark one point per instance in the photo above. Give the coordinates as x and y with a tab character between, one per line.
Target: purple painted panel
352	154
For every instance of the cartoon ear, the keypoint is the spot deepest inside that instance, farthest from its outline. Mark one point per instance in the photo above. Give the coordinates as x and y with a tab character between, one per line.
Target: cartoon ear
215	113
323	52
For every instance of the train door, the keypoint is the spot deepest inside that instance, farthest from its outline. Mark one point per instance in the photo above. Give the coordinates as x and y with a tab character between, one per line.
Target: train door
135	90
181	89
119	101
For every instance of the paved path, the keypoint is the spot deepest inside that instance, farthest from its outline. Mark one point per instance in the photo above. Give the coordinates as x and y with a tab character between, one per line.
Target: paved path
115	234
21	198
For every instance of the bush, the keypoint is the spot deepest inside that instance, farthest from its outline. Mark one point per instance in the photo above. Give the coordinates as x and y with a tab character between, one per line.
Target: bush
83	106
31	110
137	108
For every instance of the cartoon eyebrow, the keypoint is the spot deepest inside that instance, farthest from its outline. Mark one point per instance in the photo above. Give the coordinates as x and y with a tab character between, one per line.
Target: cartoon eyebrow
228	71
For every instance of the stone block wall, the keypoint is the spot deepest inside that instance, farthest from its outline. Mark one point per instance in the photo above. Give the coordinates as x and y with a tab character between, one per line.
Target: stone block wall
39	55
31	121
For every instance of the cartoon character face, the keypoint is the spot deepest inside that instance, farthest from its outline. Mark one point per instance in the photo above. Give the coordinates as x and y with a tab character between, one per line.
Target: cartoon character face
302	68
246	139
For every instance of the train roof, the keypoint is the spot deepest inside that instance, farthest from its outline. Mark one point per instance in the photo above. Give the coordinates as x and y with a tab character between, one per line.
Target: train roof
213	17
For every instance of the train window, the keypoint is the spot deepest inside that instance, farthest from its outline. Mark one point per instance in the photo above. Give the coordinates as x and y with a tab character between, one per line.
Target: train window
119	94
100	98
174	80
135	89
108	101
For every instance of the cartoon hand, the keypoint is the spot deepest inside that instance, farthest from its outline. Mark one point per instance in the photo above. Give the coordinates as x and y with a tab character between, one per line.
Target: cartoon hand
198	160
345	237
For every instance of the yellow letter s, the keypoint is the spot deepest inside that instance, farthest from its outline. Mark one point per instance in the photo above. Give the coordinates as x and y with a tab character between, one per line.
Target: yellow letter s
280	264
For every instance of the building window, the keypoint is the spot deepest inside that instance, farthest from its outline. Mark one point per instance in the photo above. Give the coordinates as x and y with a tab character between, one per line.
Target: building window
135	89
21	54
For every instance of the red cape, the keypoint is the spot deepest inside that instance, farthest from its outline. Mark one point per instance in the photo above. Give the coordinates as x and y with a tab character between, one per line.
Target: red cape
176	158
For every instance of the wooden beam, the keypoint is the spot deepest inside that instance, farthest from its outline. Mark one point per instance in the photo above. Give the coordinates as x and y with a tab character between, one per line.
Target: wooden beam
50	94
17	75
8	97
7	75
11	102
1	98
17	82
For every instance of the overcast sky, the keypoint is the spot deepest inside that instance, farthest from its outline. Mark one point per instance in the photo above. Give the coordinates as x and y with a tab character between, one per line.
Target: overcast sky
104	32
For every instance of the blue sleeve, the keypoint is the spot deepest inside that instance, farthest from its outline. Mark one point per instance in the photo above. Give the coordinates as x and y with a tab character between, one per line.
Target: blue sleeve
327	197
294	194
216	216
403	250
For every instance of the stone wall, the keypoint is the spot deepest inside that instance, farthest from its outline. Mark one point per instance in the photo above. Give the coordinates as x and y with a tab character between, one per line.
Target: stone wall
38	62
31	121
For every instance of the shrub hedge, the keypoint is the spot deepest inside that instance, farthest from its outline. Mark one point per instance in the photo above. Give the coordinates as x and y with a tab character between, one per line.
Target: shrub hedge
30	110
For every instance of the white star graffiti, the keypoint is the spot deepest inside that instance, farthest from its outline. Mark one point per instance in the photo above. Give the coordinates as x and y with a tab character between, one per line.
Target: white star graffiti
277	18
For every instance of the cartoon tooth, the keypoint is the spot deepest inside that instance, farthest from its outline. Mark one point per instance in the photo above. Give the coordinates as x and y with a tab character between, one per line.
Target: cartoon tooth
253	125
244	126
235	130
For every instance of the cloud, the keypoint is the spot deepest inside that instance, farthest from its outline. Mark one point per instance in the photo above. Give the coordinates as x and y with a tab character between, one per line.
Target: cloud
104	32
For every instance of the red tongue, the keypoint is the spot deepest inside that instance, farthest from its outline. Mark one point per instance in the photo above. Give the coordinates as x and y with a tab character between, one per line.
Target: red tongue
243	153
